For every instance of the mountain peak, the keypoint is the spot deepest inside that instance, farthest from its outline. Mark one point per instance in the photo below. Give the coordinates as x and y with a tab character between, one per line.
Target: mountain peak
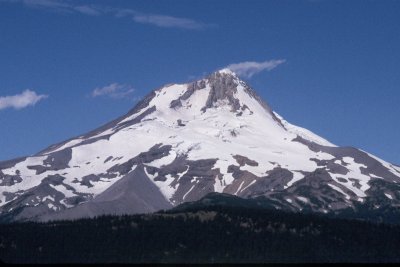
227	71
220	88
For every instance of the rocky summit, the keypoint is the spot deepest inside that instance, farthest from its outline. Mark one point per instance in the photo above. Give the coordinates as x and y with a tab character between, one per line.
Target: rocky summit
183	141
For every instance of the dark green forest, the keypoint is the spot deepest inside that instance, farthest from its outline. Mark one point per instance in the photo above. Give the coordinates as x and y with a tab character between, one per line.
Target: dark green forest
201	234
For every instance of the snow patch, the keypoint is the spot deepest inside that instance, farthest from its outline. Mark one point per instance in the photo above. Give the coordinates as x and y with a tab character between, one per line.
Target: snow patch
388	196
219	185
297	176
304	133
51	206
165	186
375	176
158	163
247	186
240	186
187	193
339	190
303	199
64	190
66	145
48	197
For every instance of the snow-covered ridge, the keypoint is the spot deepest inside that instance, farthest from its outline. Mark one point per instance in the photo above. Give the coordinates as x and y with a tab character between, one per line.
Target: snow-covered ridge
306	134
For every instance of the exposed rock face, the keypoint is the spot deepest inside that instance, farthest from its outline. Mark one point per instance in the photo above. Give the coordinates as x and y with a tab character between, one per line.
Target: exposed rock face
183	141
223	87
241	160
134	193
192	87
9	180
56	161
371	166
156	152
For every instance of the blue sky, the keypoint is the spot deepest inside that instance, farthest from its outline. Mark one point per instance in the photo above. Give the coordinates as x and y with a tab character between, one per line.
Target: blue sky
67	67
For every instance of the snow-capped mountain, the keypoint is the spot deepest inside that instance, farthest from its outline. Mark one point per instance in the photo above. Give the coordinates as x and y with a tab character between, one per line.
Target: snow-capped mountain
183	141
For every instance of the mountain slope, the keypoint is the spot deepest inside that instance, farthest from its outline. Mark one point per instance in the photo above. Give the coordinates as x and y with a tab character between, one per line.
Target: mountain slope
183	141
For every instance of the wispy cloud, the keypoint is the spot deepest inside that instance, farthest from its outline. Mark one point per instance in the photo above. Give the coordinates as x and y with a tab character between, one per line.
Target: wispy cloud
159	20
88	10
43	3
19	101
249	68
114	90
169	22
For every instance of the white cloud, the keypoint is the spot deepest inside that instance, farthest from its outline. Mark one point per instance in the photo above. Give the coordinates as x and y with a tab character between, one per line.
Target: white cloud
113	90
169	22
44	3
88	10
249	68
55	5
23	100
158	20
